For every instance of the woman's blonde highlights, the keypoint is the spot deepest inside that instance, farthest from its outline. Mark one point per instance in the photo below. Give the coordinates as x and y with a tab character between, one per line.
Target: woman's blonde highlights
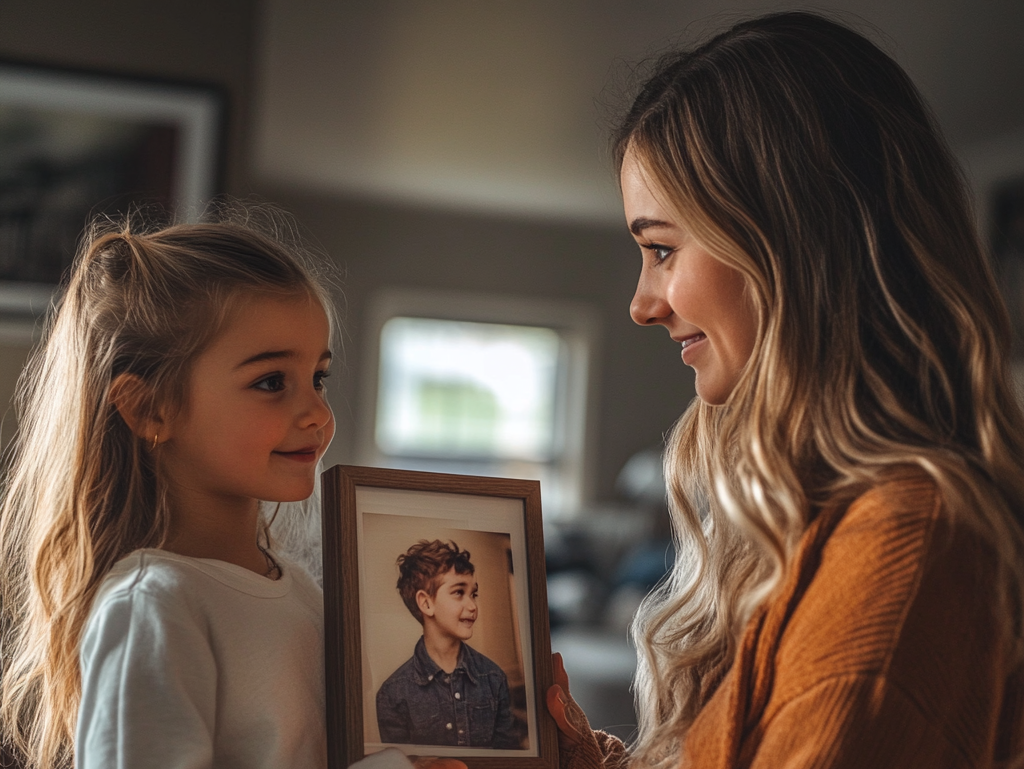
798	153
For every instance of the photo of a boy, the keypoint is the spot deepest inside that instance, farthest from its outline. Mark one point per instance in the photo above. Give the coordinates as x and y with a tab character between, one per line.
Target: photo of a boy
447	693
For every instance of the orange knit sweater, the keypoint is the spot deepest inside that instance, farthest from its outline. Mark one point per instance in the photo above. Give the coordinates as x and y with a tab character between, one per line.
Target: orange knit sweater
884	648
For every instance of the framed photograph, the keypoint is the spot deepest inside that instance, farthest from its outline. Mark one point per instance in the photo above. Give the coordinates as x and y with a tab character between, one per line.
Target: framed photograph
436	620
76	144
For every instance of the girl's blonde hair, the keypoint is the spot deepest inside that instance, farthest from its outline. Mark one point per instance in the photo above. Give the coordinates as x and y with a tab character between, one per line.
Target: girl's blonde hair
800	154
82	490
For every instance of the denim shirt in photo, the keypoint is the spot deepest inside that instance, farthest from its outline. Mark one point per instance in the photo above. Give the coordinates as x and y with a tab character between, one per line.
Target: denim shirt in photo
420	704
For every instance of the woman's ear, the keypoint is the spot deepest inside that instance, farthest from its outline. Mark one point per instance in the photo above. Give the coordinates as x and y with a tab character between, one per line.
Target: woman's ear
425	602
133	399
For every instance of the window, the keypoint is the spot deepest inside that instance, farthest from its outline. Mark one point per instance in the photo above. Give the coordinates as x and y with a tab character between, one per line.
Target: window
483	386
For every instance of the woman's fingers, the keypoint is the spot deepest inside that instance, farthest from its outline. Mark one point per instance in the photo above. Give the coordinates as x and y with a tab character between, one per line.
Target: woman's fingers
560	676
558	698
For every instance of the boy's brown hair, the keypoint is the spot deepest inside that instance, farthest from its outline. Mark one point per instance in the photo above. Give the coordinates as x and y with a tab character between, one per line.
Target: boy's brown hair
422	566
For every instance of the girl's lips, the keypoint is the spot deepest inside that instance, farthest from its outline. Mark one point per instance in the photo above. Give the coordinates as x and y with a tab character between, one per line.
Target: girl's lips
688	346
302	455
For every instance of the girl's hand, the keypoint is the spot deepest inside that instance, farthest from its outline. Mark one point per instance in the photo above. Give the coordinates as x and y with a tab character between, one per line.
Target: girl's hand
393	758
563	708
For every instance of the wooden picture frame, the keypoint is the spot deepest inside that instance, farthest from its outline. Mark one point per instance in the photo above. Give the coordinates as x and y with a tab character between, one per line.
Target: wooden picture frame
370	517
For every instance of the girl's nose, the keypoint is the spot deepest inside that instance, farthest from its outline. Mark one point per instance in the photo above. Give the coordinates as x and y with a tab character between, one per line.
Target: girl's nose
649	306
318	412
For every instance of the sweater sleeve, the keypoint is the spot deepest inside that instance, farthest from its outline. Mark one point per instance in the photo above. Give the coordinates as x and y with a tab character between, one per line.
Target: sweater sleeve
899	653
890	644
596	749
851	722
603	751
148	687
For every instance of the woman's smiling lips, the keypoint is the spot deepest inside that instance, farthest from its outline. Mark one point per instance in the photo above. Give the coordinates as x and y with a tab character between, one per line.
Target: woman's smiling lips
688	343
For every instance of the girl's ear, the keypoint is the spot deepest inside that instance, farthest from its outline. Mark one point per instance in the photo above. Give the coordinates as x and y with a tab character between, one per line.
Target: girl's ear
133	399
425	602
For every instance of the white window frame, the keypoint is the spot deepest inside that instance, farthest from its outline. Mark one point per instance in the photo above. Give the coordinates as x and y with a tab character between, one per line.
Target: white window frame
577	326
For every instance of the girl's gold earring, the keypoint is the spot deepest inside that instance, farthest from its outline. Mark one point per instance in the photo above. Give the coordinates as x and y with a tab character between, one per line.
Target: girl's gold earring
155	437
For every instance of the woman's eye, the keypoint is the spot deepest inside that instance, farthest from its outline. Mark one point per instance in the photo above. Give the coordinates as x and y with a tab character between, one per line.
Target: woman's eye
318	379
273	383
661	253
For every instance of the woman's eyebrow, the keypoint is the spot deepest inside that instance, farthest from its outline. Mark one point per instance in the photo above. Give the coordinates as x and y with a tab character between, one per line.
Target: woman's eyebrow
642	223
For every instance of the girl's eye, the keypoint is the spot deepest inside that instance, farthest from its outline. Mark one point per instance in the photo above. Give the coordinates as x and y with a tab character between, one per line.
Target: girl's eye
319	377
273	383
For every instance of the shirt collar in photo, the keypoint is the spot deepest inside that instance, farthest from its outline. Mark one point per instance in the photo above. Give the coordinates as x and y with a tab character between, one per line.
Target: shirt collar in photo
426	670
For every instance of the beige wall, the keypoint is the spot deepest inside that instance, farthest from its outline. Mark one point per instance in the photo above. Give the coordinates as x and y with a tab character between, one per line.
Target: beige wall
195	40
12	358
641	384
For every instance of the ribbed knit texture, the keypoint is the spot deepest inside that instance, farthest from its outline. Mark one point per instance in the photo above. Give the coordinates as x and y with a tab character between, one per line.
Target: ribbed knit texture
885	647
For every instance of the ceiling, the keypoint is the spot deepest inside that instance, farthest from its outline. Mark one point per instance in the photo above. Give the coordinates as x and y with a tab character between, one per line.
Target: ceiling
504	106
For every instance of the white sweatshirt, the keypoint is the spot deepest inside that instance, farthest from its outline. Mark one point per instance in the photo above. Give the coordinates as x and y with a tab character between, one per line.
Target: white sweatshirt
197	663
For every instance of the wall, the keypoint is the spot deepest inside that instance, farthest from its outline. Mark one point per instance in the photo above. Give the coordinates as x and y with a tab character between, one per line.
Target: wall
189	40
642	383
503	105
193	40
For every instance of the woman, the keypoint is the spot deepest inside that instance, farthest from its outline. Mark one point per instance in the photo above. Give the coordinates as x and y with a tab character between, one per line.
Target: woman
847	491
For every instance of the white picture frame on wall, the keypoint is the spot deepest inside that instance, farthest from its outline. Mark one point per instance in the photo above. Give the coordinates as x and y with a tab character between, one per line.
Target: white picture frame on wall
78	144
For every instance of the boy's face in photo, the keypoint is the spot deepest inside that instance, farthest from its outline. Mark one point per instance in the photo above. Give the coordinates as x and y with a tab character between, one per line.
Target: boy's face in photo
453	609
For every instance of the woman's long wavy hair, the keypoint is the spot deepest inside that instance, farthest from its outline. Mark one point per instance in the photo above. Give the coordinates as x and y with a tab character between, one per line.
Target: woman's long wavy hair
800	154
83	490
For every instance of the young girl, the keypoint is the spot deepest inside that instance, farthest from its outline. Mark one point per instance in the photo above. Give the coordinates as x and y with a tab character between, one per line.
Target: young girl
848	489
148	621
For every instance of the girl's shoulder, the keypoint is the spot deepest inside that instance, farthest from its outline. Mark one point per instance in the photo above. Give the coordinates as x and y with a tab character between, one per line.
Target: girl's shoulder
155	573
168	579
153	588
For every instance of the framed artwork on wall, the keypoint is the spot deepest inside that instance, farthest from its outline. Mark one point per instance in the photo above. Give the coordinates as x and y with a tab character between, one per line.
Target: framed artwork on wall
1007	242
436	622
75	145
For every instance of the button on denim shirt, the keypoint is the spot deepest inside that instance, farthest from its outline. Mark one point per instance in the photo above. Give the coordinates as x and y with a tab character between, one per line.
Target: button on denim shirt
420	704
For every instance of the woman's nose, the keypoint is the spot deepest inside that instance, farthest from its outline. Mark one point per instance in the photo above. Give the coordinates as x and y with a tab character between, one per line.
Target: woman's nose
649	306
